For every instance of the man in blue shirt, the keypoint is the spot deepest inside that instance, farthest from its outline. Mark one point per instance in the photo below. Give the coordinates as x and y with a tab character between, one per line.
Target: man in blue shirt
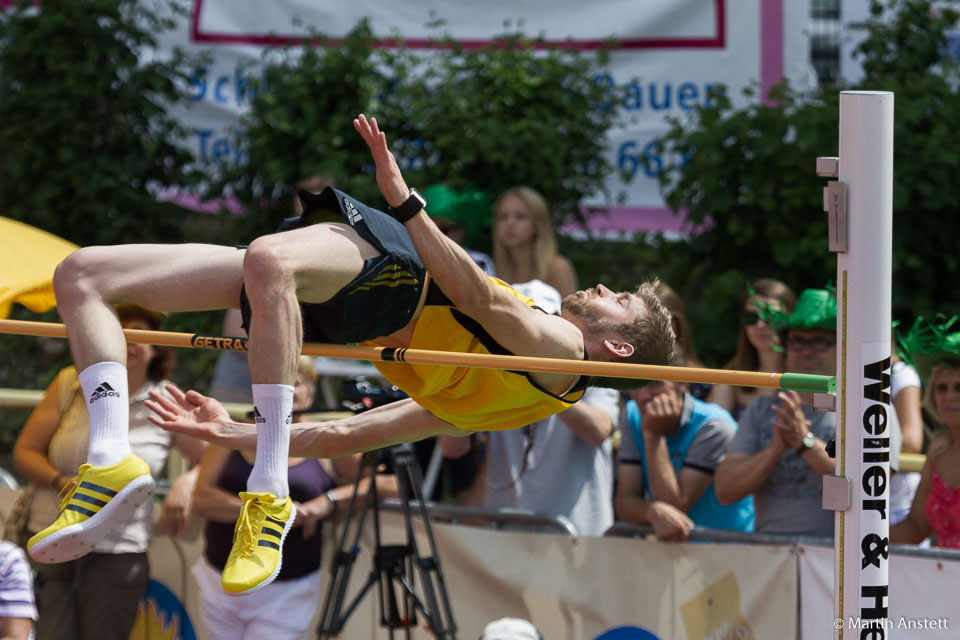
672	444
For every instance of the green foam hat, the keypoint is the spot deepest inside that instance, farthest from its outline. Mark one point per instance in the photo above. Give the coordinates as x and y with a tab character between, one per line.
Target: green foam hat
468	208
929	343
815	309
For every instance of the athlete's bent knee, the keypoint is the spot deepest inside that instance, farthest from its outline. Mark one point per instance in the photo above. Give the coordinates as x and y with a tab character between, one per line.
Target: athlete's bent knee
266	266
76	276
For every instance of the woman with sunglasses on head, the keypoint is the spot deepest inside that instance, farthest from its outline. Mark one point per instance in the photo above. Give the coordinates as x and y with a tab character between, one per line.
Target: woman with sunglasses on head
757	345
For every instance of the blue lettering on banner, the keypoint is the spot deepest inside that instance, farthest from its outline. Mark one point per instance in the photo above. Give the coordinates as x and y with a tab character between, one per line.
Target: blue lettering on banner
218	148
656	96
635	158
232	89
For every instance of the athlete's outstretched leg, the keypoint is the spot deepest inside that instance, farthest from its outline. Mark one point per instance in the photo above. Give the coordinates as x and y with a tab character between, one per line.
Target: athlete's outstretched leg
310	264
160	277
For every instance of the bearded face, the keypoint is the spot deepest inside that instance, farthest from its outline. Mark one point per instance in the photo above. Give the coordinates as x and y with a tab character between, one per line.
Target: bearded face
579	305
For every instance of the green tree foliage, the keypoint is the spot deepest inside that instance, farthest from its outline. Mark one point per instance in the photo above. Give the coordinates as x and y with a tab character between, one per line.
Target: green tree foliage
745	177
86	139
491	118
507	114
85	132
300	125
908	55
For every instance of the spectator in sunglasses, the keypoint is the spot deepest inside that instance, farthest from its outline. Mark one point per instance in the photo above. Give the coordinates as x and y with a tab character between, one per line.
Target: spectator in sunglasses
779	451
758	347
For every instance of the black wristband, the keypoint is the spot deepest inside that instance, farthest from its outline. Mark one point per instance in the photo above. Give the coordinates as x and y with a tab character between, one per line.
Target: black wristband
413	205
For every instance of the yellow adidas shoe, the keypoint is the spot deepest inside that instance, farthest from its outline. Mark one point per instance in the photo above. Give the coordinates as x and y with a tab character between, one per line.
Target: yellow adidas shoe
93	503
257	551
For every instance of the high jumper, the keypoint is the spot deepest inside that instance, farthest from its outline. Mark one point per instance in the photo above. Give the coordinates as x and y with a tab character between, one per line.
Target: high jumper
385	279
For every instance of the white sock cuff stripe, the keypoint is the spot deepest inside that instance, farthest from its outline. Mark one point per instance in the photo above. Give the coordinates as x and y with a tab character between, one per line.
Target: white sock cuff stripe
99	368
281	391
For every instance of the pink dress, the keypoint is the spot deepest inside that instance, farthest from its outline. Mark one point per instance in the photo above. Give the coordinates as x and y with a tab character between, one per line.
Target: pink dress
943	512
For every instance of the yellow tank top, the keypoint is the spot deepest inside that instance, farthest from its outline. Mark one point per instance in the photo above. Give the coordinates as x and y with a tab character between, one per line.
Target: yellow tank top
468	398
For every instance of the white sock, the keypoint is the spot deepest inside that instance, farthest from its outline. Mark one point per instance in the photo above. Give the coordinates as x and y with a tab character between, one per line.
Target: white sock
104	387
273	412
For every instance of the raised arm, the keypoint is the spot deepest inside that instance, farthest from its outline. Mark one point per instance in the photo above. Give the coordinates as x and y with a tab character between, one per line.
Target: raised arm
503	315
456	272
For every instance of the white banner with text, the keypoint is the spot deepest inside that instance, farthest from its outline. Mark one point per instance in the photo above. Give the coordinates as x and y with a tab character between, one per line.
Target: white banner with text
668	55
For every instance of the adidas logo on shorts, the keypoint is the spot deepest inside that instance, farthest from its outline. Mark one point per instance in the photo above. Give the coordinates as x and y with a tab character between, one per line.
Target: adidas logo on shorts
352	214
103	391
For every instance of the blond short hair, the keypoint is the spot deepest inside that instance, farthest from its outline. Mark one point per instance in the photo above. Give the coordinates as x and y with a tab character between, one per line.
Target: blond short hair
650	333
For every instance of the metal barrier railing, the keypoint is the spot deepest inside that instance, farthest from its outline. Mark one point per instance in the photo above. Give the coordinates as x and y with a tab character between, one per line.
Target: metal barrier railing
704	534
495	518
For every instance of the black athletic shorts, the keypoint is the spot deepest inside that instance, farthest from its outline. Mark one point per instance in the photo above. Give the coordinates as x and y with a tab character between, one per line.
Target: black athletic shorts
379	301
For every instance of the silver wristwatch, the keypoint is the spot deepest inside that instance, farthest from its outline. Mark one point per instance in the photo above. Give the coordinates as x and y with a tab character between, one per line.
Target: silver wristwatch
809	442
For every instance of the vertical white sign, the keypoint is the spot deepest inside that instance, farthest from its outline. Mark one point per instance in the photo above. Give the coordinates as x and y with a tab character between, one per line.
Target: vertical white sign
863	363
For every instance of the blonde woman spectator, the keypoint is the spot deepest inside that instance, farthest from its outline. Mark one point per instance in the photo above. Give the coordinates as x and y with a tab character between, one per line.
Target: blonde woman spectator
681	327
524	247
936	504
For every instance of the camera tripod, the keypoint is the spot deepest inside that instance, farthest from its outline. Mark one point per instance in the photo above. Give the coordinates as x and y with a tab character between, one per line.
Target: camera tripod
394	566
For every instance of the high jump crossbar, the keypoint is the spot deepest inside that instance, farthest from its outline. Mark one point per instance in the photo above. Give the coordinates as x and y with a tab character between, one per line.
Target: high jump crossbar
787	381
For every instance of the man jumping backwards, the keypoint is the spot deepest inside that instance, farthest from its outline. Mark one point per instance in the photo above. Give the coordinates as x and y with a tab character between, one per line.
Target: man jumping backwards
389	281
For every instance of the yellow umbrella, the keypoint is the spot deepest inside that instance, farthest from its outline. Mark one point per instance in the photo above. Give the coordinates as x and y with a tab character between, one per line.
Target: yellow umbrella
28	257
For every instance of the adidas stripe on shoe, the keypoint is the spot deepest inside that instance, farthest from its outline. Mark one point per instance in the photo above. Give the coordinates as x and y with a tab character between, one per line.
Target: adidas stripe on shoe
94	502
257	551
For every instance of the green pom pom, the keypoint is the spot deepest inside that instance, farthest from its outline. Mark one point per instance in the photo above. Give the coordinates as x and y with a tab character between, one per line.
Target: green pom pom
929	343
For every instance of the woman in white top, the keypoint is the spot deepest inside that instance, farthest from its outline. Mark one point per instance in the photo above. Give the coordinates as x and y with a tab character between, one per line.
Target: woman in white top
906	394
97	596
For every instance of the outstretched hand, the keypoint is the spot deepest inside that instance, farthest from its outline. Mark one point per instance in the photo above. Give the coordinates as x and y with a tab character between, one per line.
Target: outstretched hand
195	415
389	179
